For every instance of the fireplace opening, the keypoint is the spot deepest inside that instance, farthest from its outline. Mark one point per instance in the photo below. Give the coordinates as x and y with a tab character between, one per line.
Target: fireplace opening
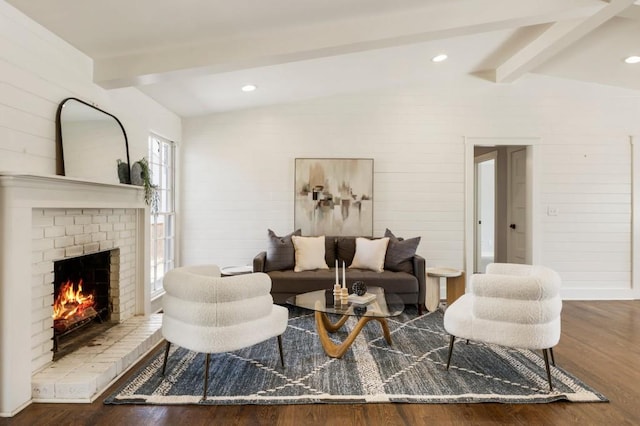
81	307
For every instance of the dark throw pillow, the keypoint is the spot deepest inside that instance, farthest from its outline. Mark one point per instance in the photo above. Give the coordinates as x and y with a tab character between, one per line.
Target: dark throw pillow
400	252
280	252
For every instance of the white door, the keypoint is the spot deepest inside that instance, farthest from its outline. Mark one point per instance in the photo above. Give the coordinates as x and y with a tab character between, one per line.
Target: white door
517	239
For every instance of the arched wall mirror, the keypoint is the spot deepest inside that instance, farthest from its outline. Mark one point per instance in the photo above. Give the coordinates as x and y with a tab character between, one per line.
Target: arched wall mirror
91	143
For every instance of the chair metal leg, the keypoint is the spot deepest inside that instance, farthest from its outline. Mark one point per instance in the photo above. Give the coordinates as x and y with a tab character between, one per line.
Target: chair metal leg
206	377
553	359
546	364
166	355
280	349
453	339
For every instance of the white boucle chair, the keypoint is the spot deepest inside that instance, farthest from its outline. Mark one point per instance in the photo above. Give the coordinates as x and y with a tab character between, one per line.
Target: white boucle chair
511	305
205	312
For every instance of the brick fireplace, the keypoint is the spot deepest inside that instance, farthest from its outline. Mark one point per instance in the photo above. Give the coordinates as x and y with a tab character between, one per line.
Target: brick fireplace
48	218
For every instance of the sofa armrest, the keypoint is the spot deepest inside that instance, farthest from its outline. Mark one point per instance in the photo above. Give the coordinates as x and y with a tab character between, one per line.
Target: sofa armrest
419	271
259	261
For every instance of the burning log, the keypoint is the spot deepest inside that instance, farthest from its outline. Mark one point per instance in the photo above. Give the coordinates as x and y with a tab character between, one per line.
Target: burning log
63	324
72	307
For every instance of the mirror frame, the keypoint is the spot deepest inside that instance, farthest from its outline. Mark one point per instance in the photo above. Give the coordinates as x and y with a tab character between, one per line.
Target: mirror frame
59	143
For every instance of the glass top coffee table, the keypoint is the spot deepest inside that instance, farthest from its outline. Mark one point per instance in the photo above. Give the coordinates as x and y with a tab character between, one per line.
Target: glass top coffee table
385	305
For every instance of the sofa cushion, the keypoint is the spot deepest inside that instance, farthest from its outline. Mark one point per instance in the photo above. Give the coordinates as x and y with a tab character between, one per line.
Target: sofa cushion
330	250
280	252
287	283
345	249
309	253
400	253
370	254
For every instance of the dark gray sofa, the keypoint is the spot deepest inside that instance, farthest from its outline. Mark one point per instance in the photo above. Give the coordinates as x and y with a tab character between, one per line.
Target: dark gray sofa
410	286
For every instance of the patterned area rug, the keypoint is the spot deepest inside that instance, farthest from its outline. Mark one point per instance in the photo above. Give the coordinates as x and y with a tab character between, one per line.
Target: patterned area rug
412	370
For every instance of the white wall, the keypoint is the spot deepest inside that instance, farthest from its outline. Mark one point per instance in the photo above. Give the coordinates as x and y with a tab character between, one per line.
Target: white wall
37	71
238	170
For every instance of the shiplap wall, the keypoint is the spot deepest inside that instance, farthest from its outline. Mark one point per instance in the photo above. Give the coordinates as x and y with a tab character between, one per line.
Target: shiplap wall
37	71
238	168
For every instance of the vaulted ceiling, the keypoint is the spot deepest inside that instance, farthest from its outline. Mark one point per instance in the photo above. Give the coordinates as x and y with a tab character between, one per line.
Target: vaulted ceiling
193	56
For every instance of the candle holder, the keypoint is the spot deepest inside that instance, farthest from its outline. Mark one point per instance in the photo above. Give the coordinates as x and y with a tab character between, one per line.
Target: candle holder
344	296
337	290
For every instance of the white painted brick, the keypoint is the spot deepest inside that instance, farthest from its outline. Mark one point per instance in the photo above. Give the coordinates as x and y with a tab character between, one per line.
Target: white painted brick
98	236
91	247
106	245
53	254
74	230
37	233
73	212
105	227
54	231
88	229
76	387
106	212
63	220
91	212
82	239
119	226
82	220
53	212
74	251
36	256
113	219
42	244
42	389
99	219
64	242
42	221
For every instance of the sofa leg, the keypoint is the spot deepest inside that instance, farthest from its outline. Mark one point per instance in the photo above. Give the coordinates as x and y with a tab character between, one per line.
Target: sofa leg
546	365
420	309
553	359
166	355
453	339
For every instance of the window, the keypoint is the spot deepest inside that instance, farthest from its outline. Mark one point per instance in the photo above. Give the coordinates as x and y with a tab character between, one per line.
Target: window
163	216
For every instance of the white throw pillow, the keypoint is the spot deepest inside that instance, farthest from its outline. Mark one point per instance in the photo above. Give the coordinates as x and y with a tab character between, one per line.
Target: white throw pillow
370	254
309	253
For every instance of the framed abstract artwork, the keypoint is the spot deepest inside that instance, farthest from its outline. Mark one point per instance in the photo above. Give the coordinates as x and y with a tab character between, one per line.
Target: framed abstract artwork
334	196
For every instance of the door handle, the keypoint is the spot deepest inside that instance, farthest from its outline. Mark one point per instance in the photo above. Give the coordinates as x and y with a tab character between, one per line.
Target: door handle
512	226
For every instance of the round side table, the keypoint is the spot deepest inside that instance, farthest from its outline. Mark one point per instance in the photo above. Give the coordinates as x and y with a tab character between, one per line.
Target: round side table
455	286
235	270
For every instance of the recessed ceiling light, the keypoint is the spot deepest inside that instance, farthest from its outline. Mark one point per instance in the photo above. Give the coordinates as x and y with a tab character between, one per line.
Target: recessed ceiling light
439	58
632	59
249	87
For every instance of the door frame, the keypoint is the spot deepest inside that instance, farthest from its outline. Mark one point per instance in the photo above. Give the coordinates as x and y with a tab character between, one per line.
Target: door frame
493	155
532	172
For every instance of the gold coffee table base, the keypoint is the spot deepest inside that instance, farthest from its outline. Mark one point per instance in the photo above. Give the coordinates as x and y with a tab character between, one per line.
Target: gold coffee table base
325	326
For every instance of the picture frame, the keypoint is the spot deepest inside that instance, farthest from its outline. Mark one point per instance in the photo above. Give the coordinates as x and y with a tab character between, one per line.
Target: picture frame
334	196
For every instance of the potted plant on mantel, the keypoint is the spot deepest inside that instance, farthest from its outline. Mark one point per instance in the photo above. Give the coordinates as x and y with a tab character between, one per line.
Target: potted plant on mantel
141	176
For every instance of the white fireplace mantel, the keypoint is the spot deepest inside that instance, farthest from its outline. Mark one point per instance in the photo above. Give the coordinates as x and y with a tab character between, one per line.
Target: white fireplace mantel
19	195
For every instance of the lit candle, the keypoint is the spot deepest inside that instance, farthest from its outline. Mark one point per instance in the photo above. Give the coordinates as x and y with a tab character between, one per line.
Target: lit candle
344	276
337	279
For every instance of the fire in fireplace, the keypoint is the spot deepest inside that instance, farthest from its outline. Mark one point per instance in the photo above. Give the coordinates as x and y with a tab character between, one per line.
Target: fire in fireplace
81	295
72	306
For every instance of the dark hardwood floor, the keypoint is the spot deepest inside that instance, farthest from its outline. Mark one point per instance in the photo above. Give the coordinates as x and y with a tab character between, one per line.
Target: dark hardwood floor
600	344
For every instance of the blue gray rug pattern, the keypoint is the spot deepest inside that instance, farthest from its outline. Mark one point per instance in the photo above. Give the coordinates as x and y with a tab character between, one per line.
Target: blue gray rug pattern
412	370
